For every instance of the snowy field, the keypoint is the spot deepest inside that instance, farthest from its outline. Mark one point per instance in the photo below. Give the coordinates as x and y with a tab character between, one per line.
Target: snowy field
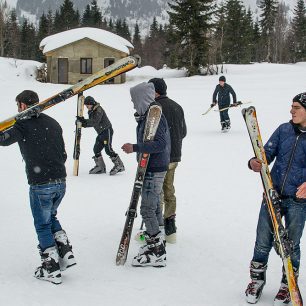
218	198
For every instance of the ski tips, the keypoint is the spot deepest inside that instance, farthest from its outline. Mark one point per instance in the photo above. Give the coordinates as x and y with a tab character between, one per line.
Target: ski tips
138	59
248	110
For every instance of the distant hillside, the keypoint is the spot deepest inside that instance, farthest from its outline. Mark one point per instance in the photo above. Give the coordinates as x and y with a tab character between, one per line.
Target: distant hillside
142	11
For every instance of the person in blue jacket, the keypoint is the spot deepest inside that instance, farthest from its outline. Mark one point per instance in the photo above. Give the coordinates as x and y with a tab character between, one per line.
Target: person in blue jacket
287	146
223	91
153	253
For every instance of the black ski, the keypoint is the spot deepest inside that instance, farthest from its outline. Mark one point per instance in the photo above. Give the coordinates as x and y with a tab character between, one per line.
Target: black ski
152	123
119	67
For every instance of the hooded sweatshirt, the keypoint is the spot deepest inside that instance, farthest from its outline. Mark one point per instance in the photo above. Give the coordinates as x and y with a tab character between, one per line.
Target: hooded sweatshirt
159	149
142	96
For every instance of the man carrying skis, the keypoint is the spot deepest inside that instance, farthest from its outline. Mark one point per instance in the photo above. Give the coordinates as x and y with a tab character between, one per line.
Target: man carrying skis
42	147
100	122
223	91
177	127
153	253
287	146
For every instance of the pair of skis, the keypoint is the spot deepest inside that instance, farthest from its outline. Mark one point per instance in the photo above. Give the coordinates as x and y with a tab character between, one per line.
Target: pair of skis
151	125
282	242
239	103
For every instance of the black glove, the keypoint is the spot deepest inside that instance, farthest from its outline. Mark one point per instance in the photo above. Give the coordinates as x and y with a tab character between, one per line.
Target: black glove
82	120
213	104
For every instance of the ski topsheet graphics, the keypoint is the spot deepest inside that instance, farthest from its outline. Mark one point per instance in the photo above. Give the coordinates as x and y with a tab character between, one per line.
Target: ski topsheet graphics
119	67
282	243
152	123
78	133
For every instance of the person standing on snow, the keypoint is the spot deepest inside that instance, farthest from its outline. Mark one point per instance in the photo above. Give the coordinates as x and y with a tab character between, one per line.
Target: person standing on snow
100	122
177	126
42	148
223	91
153	253
287	146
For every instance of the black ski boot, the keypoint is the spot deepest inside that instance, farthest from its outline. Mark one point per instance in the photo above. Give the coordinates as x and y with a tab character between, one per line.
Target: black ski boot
153	253
227	124
118	165
255	287
170	229
283	295
223	127
49	269
100	167
66	257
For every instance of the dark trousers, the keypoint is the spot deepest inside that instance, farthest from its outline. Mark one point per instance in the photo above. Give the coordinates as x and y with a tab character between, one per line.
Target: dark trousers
224	114
104	141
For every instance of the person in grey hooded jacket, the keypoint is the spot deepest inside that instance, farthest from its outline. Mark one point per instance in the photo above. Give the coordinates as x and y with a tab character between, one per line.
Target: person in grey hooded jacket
153	253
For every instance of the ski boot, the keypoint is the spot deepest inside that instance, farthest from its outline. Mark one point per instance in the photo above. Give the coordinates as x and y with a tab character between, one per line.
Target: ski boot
255	287
118	165
66	257
170	229
152	254
49	269
142	236
283	295
223	127
100	167
227	125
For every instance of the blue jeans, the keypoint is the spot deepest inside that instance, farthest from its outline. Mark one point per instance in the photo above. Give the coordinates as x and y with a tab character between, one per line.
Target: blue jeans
44	200
150	197
294	214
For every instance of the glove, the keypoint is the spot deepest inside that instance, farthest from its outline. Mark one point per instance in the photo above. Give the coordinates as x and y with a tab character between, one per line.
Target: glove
237	103
213	104
82	120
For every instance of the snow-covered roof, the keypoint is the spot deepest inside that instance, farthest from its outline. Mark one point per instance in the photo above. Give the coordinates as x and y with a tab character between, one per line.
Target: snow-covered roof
109	39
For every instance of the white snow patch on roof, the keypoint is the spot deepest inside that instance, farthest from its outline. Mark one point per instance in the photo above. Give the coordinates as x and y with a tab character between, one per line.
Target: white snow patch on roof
109	39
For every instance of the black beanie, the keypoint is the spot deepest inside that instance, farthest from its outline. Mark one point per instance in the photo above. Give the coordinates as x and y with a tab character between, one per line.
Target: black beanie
160	86
222	78
89	101
300	98
28	97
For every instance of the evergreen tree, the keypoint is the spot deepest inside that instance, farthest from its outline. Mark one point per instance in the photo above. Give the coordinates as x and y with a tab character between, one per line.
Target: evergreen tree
125	32
13	35
191	21
256	50
267	22
219	29
28	41
299	32
66	18
137	41
92	16
234	32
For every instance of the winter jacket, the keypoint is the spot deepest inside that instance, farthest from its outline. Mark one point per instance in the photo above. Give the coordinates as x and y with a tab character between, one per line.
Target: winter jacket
42	147
143	95
97	119
288	145
224	95
177	126
159	149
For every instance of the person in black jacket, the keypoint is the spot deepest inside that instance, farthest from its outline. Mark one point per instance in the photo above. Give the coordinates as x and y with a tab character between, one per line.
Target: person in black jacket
42	148
153	253
100	122
223	91
177	126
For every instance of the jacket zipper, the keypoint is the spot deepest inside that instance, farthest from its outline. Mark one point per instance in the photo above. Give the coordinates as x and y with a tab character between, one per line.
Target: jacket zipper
290	162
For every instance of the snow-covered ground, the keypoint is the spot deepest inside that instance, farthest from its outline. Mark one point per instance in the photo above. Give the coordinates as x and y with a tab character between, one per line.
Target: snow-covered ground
218	198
